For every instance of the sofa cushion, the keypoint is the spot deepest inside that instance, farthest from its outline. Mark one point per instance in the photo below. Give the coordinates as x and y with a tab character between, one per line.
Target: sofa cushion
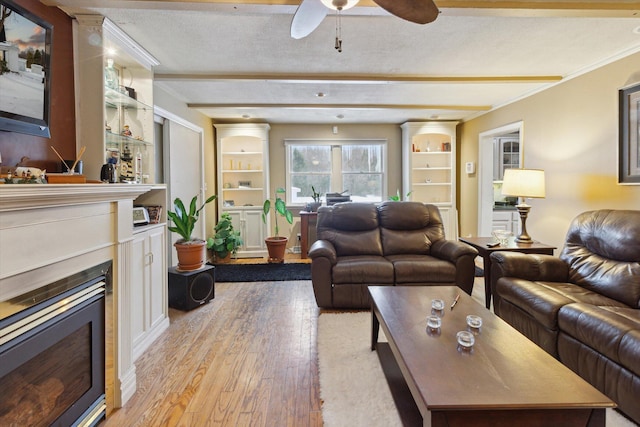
409	227
612	331
363	269
422	269
352	228
603	252
543	300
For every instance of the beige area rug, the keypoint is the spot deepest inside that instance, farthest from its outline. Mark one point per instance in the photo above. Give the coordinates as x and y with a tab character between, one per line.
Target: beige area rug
352	385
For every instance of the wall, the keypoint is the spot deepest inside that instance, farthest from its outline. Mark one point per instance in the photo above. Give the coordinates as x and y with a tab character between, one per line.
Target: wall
277	152
13	146
570	131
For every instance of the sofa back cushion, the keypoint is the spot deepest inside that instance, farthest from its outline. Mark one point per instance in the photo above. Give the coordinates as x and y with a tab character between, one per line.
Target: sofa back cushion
602	249
409	227
351	227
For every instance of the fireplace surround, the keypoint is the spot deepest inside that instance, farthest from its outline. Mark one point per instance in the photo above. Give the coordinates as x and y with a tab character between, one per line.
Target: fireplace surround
52	352
52	232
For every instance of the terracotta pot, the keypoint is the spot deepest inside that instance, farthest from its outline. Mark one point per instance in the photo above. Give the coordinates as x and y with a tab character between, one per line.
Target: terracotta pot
192	255
225	260
276	246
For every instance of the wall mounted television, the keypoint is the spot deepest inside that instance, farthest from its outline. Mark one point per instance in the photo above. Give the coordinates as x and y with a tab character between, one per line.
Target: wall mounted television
25	71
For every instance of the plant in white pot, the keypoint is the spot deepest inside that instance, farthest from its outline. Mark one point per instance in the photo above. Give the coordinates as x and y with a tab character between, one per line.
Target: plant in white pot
276	245
192	253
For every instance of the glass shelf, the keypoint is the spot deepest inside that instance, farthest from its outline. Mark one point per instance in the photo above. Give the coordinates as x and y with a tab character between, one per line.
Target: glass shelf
116	139
115	99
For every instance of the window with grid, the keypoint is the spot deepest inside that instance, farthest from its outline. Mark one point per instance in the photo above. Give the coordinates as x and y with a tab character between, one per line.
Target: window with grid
355	167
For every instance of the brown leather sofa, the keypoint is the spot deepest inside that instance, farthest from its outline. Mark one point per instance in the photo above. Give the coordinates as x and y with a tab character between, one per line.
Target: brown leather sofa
392	243
583	307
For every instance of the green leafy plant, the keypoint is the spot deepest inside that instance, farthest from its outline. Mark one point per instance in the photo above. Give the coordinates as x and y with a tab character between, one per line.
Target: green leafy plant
398	197
184	221
315	195
279	207
226	240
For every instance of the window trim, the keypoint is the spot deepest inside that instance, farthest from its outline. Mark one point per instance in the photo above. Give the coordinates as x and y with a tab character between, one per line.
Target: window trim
383	142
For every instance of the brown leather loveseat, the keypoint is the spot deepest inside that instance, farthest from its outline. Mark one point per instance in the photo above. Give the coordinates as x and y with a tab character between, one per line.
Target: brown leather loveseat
391	243
583	307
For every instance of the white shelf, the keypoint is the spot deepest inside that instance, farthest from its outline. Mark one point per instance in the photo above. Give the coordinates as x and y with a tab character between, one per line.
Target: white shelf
242	171
241	153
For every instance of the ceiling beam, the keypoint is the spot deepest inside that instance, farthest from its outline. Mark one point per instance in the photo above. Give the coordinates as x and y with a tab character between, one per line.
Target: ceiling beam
356	78
346	106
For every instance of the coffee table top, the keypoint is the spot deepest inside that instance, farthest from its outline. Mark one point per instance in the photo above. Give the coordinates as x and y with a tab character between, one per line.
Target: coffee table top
505	370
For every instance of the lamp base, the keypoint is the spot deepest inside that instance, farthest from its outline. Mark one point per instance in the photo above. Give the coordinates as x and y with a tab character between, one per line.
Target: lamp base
523	210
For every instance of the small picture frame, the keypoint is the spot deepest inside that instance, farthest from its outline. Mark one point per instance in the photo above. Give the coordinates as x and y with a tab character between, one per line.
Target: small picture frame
229	203
446	146
244	183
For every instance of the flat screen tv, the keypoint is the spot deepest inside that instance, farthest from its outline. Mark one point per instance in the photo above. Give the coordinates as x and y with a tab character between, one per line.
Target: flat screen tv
25	71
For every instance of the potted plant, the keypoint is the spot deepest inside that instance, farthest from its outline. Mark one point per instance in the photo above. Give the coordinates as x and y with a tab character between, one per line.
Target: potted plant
276	245
192	253
312	207
226	241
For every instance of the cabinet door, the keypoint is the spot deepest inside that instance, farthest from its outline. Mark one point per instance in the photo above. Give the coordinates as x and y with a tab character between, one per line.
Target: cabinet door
253	230
137	291
157	298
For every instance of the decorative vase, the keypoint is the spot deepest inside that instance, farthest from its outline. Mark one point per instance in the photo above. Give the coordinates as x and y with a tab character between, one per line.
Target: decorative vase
276	246
313	206
192	255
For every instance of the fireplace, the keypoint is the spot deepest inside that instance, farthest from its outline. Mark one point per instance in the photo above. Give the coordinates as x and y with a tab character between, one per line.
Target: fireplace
52	352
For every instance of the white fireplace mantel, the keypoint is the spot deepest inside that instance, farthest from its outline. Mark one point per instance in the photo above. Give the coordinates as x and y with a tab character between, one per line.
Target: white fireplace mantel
49	232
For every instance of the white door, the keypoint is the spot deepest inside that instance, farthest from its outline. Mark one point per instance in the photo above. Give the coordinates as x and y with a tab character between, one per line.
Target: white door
183	171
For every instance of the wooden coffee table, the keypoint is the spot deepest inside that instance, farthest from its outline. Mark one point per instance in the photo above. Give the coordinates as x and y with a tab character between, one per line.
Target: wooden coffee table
506	380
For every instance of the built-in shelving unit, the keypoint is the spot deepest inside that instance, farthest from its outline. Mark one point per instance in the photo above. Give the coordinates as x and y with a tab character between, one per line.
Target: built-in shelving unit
429	168
243	181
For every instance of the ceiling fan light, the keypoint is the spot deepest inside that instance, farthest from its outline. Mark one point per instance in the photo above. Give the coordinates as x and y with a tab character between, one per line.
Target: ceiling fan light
339	4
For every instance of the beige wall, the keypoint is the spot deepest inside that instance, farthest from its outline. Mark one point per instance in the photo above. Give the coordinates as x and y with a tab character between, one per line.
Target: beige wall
168	102
280	132
570	131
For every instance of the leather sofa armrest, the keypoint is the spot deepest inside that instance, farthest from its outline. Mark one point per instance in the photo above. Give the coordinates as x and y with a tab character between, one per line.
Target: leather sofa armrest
451	250
462	256
323	249
534	267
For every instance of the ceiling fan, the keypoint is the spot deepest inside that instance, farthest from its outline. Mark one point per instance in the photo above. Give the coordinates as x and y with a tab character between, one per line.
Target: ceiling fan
310	13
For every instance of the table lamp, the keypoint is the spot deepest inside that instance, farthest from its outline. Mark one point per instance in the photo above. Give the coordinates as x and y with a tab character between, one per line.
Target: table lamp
523	183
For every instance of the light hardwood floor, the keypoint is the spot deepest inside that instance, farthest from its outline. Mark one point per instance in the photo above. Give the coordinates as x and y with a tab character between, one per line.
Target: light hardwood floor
247	358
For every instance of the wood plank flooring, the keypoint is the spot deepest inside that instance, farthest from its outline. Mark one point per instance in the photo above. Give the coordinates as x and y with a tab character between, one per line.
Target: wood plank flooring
247	358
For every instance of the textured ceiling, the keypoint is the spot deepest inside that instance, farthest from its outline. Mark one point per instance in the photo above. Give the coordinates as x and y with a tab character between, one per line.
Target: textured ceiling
229	60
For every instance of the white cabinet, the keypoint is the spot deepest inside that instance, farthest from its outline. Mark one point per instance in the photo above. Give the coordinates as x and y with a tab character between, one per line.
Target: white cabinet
429	168
506	155
506	220
243	181
149	303
249	222
118	73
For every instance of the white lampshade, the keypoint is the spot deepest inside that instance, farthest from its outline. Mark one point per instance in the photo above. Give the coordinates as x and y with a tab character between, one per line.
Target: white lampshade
339	4
523	183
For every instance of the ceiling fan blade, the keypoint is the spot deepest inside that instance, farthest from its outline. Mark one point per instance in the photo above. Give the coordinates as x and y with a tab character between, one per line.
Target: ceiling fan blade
418	11
308	16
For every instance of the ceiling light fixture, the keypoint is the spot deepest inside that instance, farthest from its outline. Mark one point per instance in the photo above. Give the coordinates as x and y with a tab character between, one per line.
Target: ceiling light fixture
321	94
339	6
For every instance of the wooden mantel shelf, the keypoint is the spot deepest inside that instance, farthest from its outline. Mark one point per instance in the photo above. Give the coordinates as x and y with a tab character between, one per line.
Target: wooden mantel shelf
21	196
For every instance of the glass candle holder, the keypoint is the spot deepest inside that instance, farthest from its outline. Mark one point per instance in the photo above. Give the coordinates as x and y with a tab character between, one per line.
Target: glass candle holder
465	340
434	322
474	322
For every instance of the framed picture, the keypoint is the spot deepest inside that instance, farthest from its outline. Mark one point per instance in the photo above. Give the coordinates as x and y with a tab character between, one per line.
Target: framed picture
629	134
229	203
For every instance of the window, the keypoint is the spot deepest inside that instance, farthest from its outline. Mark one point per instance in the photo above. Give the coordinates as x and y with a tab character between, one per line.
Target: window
356	167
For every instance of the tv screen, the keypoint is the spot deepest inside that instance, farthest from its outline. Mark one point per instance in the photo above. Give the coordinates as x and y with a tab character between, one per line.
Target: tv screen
25	71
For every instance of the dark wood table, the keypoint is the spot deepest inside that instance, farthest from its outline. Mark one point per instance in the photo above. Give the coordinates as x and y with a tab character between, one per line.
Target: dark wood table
480	243
307	231
506	380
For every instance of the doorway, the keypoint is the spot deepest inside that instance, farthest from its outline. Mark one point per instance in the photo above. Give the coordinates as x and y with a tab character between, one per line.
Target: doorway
487	165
